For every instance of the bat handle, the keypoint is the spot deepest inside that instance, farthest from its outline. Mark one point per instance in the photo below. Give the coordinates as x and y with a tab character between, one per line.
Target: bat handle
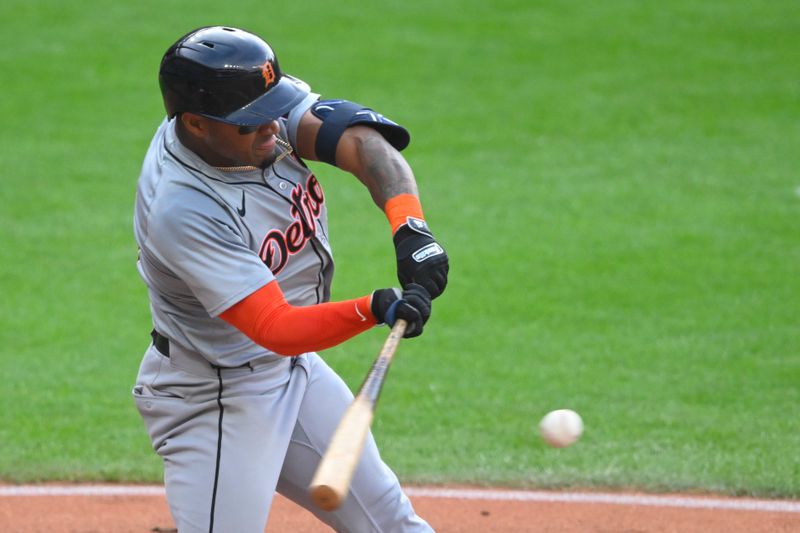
399	327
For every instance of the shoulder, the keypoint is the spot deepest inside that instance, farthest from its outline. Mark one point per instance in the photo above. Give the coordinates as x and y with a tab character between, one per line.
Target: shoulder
294	120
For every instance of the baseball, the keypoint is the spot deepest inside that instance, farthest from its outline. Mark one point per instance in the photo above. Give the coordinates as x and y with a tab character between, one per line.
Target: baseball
561	427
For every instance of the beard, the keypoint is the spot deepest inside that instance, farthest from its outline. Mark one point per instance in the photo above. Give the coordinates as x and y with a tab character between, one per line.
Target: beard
270	160
282	149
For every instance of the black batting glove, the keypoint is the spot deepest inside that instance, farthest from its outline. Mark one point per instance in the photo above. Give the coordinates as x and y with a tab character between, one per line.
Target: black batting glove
412	305
420	259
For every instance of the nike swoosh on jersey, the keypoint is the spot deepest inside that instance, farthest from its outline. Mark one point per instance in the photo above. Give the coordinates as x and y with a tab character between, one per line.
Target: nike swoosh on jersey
241	210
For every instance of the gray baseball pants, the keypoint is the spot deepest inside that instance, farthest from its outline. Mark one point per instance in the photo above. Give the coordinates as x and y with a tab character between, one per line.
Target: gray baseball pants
229	438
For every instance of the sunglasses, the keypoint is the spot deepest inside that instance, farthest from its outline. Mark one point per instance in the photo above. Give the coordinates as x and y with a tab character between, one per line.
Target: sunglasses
247	130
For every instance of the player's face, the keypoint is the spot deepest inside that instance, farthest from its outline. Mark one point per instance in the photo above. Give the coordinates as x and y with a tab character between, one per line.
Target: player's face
228	145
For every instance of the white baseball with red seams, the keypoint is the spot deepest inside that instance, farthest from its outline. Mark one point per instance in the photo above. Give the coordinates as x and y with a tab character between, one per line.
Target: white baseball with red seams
561	427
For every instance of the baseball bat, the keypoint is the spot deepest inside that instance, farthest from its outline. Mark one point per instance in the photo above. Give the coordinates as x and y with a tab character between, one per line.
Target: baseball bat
331	481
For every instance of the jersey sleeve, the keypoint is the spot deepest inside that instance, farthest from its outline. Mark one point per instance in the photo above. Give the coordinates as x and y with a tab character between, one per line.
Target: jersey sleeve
197	240
293	119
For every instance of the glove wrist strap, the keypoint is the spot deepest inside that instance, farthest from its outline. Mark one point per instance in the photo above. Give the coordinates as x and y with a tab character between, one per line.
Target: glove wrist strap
399	208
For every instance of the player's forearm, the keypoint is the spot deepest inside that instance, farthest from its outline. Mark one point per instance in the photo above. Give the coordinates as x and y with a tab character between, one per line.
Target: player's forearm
297	330
271	322
420	259
381	168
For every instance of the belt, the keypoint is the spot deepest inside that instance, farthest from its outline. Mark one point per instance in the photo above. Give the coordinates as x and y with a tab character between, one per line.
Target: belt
181	360
160	342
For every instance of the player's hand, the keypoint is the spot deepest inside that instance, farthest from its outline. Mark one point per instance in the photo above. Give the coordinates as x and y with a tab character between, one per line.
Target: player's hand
420	259
412	305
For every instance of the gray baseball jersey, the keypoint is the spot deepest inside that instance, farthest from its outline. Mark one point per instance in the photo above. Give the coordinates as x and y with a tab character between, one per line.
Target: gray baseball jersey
232	420
208	238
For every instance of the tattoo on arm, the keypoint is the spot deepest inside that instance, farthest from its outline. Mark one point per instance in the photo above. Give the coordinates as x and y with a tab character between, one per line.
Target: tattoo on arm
384	171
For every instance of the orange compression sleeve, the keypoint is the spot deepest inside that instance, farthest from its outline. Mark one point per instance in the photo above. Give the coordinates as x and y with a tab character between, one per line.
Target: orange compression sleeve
269	320
399	208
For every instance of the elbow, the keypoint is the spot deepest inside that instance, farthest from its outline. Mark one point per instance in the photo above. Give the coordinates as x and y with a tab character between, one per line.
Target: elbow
284	349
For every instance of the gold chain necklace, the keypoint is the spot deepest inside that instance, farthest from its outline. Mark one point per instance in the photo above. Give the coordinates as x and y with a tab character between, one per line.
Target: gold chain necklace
243	168
287	149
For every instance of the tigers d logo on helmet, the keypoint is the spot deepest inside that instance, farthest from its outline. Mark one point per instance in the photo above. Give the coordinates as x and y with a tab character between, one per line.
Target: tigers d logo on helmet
268	73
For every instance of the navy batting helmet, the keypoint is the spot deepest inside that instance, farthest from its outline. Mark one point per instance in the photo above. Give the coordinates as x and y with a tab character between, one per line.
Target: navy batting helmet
227	74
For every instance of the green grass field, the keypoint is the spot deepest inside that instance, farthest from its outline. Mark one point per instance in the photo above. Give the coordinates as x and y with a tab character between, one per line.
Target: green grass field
616	184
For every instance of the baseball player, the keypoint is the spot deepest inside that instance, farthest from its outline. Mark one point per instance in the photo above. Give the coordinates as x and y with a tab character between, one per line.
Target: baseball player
233	246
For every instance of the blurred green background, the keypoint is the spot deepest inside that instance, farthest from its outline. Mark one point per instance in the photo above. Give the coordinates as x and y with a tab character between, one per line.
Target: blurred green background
616	184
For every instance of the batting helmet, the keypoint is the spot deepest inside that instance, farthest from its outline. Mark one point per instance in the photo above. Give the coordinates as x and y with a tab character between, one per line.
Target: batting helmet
227	74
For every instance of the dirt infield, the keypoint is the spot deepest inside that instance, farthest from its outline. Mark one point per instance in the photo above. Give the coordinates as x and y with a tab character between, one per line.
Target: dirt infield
101	509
